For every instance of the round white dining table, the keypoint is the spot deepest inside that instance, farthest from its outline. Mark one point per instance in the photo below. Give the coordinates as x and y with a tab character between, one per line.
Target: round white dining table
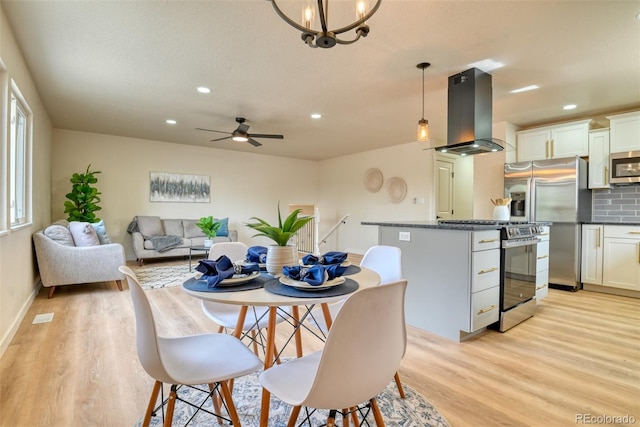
365	278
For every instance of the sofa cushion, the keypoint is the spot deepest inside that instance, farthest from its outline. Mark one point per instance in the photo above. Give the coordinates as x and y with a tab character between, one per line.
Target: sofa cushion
150	226
224	228
190	229
60	234
172	227
101	230
83	234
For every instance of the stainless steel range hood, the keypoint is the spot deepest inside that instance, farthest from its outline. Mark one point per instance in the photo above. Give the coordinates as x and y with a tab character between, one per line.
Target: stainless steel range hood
469	115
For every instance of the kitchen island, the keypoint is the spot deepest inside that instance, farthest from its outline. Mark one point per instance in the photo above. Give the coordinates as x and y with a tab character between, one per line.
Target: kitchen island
453	272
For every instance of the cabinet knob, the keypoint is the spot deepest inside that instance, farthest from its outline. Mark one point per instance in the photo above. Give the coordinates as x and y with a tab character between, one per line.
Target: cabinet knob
541	287
489	270
543	257
488	240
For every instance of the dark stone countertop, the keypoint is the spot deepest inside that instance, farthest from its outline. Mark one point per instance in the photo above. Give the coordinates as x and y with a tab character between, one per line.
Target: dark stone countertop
436	225
633	224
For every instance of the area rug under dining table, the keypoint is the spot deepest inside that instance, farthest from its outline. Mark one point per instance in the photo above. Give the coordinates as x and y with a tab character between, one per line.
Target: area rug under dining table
413	411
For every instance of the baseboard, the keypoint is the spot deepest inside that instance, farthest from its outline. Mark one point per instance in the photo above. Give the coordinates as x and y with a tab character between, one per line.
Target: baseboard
8	337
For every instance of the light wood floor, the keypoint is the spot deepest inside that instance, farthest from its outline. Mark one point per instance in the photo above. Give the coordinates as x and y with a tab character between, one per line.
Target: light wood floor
580	354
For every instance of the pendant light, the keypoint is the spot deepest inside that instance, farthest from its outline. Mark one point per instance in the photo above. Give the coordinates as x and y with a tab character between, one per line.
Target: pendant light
423	125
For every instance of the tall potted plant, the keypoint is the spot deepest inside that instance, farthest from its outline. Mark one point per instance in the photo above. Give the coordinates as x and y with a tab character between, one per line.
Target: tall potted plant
281	253
83	198
209	227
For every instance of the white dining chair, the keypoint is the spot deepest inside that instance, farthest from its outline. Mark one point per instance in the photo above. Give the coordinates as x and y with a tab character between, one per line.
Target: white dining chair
363	350
226	315
192	360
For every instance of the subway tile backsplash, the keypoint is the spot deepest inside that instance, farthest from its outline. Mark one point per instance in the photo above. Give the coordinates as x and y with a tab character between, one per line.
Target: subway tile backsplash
617	204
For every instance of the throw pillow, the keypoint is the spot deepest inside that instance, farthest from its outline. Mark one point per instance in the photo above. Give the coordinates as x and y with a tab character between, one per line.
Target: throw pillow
60	234
172	227
83	234
150	226
223	231
101	230
191	230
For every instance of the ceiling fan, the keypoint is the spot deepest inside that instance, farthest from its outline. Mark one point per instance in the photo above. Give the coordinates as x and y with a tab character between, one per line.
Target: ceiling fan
241	134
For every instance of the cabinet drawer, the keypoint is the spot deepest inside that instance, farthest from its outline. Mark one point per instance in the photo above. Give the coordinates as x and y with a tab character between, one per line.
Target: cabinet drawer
544	236
487	239
485	267
542	256
622	231
485	308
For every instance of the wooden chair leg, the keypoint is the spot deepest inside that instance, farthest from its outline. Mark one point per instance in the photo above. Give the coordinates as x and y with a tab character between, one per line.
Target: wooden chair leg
171	405
226	395
152	404
52	289
399	385
254	342
331	420
220	329
294	416
377	415
345	417
216	403
119	284
354	417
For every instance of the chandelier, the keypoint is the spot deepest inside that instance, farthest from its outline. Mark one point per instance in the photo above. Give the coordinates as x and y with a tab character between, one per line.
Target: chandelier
423	125
326	38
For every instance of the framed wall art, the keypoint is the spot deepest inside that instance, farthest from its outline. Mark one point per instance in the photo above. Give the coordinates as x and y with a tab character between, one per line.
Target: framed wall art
176	187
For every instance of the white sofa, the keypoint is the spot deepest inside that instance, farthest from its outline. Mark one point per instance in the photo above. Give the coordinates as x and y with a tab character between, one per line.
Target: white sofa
144	228
63	262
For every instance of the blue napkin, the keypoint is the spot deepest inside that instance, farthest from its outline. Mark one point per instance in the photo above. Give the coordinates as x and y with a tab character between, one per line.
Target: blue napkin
334	270
329	258
216	271
257	254
312	275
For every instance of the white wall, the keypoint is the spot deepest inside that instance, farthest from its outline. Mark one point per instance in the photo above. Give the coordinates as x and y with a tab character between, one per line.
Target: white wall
242	184
342	191
18	278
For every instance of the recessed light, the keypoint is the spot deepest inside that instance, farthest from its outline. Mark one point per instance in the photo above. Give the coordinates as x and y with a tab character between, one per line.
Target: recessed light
171	122
569	107
487	65
525	89
463	154
203	89
316	116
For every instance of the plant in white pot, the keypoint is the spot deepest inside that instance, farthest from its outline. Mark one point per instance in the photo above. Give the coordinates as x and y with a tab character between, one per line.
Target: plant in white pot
209	227
281	253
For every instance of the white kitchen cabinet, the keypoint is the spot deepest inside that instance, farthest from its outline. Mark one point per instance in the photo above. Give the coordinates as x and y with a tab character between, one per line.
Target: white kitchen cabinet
625	132
553	142
621	257
453	276
542	265
592	251
599	158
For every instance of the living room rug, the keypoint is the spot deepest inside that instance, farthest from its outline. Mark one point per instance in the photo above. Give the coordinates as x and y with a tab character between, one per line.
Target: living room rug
164	276
413	411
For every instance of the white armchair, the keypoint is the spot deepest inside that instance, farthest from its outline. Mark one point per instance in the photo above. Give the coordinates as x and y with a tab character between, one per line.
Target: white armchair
61	264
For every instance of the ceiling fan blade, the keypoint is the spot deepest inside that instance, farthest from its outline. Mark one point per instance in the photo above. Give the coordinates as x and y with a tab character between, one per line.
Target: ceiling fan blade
242	128
211	130
254	142
221	139
266	135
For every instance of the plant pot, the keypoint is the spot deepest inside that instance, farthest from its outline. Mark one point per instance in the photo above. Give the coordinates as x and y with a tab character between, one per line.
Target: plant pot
278	257
208	243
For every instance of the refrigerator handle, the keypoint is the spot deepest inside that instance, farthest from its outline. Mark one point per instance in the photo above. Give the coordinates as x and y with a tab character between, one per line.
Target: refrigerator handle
531	199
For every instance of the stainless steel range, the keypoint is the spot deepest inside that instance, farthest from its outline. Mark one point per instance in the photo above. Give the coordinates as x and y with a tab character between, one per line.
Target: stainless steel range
519	240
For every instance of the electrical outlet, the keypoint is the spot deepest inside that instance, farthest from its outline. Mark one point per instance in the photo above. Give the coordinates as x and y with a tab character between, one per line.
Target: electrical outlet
404	236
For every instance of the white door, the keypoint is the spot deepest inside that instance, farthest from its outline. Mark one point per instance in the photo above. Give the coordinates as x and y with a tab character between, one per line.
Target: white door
444	189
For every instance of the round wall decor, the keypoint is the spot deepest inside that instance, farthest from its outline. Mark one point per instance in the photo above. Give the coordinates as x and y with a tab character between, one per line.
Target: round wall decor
397	189
373	180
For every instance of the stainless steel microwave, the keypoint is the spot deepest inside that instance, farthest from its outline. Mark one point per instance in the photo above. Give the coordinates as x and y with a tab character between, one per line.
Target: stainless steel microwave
625	167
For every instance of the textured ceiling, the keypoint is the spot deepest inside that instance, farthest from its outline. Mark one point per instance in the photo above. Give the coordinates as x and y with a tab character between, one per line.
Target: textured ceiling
124	67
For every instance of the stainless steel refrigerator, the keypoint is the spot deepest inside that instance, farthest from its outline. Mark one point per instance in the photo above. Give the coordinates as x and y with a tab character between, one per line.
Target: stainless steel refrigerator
553	190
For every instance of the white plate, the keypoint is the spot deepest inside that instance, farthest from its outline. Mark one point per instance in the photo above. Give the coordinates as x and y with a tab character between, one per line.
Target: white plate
343	264
307	287
237	279
245	262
